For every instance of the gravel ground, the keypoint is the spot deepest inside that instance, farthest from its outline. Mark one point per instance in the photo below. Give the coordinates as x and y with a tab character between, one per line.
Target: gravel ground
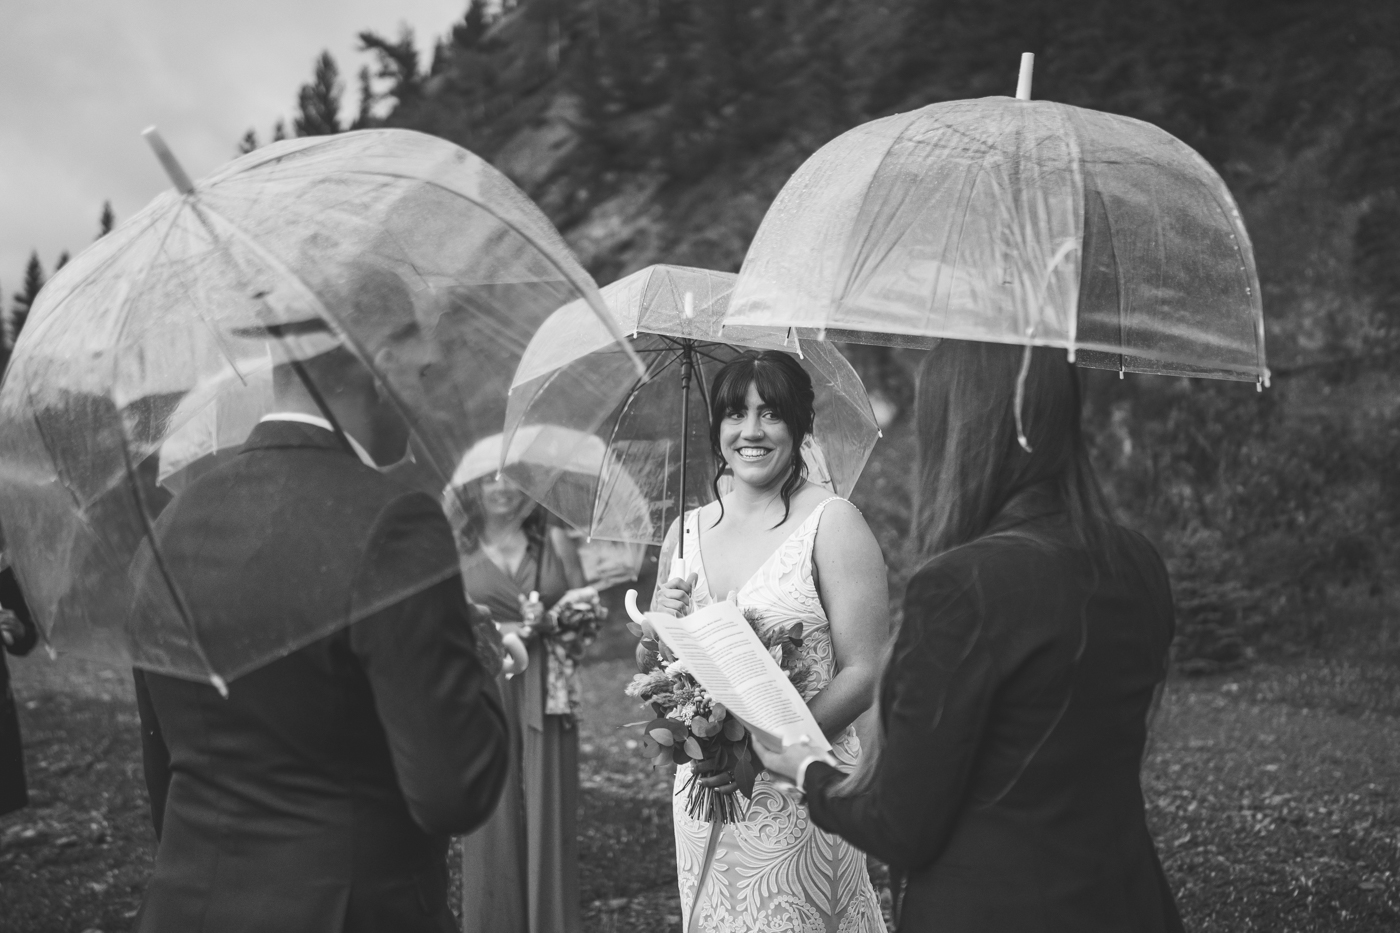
1274	795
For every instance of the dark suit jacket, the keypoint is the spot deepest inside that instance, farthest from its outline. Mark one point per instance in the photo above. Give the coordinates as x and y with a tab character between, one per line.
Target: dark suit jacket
13	792
319	795
1015	713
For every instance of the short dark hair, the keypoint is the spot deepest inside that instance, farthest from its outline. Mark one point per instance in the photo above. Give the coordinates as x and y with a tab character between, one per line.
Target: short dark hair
785	387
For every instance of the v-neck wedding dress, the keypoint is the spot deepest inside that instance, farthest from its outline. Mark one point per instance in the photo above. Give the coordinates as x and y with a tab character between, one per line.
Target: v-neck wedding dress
774	870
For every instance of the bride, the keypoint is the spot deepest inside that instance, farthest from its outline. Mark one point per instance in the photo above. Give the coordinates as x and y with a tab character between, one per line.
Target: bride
793	553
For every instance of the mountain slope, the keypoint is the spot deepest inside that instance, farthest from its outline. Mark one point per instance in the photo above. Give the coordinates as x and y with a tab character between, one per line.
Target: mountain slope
660	130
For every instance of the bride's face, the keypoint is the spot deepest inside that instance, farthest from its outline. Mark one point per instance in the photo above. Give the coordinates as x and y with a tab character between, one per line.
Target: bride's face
757	444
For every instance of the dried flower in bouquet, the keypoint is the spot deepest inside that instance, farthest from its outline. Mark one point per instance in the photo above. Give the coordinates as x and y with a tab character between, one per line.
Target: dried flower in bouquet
566	632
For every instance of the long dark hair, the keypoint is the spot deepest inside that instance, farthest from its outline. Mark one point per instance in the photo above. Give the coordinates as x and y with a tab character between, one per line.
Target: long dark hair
971	463
786	388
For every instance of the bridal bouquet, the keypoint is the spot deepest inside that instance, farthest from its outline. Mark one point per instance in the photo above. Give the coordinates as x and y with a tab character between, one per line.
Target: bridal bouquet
690	726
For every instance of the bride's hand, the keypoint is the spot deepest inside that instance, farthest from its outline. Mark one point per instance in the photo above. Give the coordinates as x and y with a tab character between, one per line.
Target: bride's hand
721	783
674	595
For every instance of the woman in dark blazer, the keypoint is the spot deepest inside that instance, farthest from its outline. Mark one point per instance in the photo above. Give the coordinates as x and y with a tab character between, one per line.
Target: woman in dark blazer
1015	703
19	635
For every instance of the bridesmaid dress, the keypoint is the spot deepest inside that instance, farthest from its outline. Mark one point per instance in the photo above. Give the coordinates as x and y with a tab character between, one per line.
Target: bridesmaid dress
520	870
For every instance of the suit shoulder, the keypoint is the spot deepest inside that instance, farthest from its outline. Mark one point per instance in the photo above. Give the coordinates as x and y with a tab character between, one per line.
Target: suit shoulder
410	547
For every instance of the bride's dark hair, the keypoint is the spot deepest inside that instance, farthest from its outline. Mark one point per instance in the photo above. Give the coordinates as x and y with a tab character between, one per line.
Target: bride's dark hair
786	388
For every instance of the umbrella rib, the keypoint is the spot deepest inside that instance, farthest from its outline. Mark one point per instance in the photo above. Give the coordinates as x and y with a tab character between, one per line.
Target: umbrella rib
870	183
40	324
176	593
598	307
122	322
219	340
711	356
508	439
612	437
709	412
310	295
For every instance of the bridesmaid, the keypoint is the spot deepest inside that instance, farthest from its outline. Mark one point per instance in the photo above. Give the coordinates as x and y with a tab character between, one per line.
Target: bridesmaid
520	870
1015	703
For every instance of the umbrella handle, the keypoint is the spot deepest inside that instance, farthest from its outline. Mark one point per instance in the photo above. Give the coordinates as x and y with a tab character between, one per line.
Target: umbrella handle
629	600
630	603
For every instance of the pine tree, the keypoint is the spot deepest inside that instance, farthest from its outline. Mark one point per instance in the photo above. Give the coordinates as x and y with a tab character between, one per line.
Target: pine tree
469	31
318	103
248	143
107	221
24	300
63	258
279	131
367	98
398	63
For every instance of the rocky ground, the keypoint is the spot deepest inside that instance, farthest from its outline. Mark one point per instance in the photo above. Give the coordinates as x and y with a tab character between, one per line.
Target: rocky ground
1274	795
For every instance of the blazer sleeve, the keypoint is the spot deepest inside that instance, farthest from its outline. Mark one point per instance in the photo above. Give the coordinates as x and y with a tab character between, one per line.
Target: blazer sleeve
940	690
12	598
440	709
155	756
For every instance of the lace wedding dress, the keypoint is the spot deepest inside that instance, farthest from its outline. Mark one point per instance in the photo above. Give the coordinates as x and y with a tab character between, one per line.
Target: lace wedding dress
775	871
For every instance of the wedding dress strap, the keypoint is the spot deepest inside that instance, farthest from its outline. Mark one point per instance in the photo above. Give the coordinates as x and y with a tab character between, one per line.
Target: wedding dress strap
815	518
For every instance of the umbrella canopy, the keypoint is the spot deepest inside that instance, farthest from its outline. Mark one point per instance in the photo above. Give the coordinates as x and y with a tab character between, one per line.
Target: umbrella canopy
1012	221
217	416
655	429
574	459
418	258
577	460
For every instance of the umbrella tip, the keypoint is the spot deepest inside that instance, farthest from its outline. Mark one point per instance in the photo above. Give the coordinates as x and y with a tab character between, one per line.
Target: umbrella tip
172	165
219	684
1023	83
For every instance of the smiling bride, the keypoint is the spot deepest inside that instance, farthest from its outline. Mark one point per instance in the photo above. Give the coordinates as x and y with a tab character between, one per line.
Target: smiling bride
790	552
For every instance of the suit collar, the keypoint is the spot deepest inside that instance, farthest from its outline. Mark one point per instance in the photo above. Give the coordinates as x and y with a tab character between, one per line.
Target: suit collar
320	422
267	435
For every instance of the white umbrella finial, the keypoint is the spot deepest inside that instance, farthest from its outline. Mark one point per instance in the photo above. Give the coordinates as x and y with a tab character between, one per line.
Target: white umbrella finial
1023	83
172	165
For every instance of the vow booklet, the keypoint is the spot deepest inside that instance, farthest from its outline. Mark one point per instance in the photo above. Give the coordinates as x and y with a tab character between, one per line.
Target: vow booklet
719	647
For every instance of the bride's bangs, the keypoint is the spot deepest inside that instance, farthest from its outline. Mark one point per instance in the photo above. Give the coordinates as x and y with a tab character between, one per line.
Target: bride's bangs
786	389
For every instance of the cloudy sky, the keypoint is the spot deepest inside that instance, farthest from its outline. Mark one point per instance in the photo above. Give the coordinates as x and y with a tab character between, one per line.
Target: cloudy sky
80	79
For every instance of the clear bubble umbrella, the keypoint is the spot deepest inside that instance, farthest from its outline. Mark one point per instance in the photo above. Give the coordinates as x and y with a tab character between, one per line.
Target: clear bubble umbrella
411	253
656	427
1013	221
575	458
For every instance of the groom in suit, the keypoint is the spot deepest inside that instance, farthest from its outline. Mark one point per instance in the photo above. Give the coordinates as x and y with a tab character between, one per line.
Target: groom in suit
319	794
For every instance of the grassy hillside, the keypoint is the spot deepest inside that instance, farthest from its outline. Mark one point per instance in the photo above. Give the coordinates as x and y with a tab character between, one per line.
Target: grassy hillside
660	130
